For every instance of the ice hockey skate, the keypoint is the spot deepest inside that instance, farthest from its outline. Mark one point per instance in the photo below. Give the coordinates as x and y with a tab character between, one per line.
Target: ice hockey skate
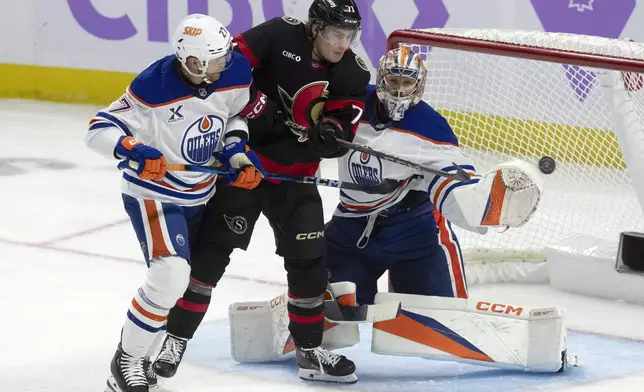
320	364
170	356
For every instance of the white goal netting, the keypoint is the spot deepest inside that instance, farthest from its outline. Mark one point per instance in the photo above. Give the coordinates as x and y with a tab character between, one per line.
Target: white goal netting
503	107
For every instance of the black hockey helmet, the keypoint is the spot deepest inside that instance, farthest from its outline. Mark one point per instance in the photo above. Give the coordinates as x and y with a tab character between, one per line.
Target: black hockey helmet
339	13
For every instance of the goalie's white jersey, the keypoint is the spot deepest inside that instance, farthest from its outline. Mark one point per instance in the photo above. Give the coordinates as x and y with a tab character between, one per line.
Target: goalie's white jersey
422	136
187	124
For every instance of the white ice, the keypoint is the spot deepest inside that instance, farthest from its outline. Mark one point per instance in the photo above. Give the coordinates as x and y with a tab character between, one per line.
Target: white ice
70	264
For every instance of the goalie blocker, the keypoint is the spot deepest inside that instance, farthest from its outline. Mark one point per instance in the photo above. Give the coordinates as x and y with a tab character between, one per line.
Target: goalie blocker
448	329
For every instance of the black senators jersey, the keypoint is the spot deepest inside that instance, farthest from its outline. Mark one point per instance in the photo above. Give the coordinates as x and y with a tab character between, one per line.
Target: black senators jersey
304	90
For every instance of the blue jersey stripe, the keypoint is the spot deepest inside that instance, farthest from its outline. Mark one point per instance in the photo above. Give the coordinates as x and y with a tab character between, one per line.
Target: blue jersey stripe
101	125
168	192
116	121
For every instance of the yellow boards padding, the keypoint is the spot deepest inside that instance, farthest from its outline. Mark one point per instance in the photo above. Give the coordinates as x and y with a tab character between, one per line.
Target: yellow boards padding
511	136
62	84
517	137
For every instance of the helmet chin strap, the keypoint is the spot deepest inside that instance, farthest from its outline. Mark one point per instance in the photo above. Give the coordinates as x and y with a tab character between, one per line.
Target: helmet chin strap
201	75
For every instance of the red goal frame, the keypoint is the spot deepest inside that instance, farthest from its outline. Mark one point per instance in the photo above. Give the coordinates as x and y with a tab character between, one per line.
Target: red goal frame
418	37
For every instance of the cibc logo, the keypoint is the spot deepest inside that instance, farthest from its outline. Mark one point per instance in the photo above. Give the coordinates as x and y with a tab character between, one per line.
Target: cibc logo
291	56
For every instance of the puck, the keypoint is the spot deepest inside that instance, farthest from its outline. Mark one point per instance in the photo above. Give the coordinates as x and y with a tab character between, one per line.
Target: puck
547	165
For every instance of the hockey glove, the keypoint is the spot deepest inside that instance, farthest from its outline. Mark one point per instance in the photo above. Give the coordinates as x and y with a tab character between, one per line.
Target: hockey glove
322	138
151	162
247	171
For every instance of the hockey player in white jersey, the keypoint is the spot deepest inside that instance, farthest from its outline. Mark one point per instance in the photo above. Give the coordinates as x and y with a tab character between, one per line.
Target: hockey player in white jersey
409	231
181	109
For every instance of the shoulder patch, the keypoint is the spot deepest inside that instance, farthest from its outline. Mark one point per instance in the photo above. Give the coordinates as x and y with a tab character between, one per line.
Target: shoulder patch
361	63
291	20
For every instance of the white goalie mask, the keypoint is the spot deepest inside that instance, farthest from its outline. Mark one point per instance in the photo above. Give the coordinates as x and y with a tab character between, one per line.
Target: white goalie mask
204	38
400	81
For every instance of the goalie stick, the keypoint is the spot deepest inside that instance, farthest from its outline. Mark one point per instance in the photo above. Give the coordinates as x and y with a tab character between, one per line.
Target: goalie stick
386	186
343	314
461	175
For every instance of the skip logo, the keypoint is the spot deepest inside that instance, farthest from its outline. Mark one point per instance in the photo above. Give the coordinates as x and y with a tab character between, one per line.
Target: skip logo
193	31
291	56
309	236
175	114
237	224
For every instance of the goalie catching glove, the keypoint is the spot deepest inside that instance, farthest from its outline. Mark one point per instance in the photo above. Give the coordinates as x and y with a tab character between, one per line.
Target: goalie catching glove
246	169
507	196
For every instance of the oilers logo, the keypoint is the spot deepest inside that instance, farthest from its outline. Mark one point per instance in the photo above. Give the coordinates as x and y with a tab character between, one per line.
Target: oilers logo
201	139
364	169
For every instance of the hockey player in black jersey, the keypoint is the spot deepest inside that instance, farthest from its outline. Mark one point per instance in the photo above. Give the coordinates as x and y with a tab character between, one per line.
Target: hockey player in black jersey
310	76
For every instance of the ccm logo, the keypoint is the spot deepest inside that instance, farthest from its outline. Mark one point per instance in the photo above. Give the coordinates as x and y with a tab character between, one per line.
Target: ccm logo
275	302
194	31
499	308
291	56
254	111
247	307
309	236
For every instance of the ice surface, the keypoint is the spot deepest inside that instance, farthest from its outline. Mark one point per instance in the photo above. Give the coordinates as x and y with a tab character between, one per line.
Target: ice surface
70	264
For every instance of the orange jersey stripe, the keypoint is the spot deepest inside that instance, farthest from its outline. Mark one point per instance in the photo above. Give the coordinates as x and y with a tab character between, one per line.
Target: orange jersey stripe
381	202
241	86
158	104
439	189
195	188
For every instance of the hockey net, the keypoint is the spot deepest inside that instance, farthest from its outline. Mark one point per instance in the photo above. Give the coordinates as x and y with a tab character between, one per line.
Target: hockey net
531	94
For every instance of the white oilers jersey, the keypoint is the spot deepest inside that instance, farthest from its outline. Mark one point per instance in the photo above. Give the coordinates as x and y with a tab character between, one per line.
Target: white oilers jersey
423	136
186	124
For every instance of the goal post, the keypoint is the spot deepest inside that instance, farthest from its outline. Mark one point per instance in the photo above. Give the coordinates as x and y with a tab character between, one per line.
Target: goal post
530	94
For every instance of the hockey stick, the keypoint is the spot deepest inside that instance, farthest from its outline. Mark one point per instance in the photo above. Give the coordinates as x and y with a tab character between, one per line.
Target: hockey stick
386	186
343	314
461	175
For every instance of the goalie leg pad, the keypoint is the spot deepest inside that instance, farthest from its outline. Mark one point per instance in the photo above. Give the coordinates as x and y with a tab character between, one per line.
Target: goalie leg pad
259	330
475	332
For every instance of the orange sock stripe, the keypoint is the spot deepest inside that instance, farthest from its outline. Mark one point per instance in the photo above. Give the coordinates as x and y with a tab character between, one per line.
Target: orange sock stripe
146	313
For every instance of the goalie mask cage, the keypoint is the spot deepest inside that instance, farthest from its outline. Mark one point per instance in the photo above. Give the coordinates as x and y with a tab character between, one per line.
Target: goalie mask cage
578	99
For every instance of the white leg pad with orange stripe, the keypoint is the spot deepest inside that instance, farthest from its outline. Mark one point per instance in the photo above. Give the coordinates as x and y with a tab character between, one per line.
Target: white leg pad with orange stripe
259	330
475	332
506	196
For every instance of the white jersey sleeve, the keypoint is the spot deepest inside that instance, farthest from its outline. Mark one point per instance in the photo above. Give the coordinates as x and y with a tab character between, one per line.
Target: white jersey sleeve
124	117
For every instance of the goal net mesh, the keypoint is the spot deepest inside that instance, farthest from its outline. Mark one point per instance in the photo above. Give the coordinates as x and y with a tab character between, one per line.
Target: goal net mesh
503	107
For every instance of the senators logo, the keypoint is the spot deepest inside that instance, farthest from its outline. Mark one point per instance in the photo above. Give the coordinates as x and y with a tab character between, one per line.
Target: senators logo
305	107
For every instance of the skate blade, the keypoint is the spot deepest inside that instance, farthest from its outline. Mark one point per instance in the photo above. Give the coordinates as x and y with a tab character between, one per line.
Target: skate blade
316	375
112	386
